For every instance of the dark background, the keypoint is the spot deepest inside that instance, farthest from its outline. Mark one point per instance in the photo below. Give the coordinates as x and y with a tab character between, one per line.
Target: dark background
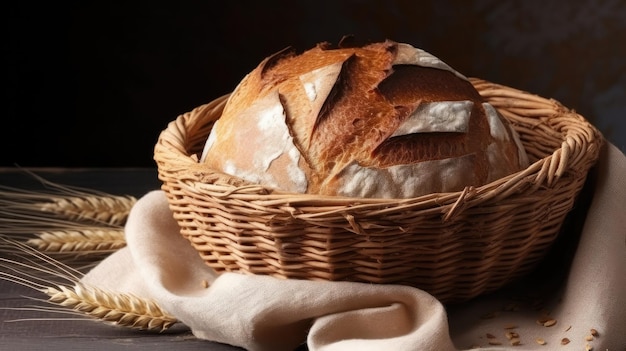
93	83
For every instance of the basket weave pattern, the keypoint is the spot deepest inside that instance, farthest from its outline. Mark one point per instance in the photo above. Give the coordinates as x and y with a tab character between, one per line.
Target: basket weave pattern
453	245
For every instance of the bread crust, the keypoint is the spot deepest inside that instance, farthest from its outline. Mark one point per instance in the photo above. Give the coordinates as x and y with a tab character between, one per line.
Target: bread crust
370	113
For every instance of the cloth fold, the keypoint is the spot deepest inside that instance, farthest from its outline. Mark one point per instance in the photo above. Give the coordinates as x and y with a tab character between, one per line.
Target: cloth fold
261	312
265	313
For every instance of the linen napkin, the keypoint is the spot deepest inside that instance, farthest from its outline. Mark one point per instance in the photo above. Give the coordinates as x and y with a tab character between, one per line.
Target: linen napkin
264	313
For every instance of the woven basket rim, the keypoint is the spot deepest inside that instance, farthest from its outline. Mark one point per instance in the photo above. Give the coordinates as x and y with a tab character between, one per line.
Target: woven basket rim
545	170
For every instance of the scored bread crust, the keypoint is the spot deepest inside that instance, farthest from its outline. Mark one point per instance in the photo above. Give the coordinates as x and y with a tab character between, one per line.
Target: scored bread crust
371	120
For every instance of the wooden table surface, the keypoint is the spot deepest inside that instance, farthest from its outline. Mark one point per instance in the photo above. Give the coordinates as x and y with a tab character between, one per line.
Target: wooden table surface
26	330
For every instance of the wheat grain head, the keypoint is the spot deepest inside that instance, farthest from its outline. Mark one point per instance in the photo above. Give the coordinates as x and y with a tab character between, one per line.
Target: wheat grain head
79	240
117	308
62	284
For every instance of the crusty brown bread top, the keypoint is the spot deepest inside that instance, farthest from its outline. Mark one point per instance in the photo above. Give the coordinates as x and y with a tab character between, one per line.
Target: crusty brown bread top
380	120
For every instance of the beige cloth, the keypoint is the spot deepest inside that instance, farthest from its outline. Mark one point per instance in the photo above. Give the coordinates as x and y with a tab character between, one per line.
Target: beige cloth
264	313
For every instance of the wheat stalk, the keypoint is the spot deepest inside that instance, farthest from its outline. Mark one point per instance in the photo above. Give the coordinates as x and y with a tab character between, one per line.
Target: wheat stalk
109	209
84	240
54	217
68	202
62	238
64	220
120	309
62	284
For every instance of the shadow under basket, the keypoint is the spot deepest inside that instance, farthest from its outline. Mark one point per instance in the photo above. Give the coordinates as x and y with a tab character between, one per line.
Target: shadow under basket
455	246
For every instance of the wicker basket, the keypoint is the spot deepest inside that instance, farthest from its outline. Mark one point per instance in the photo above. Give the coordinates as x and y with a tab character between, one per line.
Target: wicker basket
453	245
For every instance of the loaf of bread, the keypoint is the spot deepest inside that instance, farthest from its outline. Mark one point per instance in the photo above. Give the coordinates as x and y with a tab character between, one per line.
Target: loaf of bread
383	120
